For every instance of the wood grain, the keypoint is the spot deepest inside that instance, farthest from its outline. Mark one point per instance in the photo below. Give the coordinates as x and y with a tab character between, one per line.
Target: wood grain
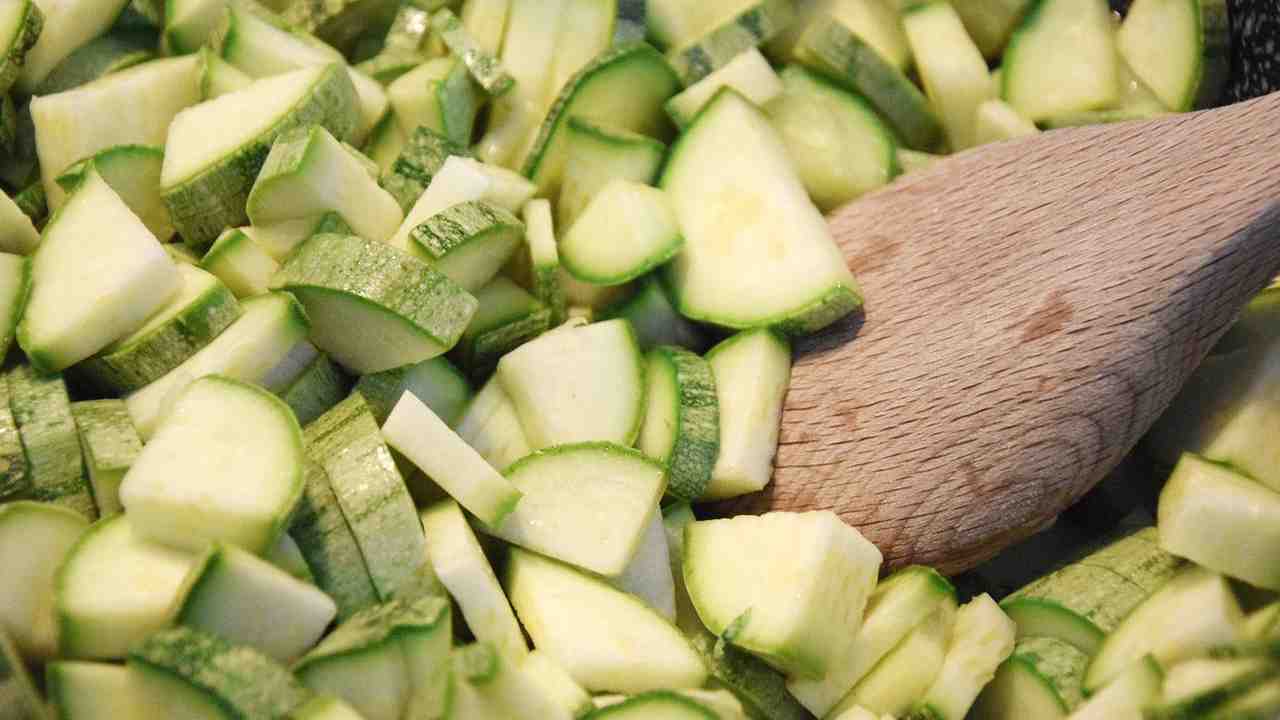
1031	308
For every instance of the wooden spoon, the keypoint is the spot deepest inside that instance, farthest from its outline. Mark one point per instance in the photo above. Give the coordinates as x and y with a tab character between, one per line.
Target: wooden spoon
1031	308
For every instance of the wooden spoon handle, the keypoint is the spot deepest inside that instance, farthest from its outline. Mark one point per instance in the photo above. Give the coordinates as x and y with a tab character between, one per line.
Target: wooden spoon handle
1032	307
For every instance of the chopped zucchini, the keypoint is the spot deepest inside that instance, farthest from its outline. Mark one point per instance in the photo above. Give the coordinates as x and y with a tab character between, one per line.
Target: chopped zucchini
34	541
733	567
954	72
598	154
580	384
52	469
469	242
241	264
492	426
732	272
372	307
606	639
133	171
435	382
1061	59
438	94
756	24
110	445
507	318
202	308
682	419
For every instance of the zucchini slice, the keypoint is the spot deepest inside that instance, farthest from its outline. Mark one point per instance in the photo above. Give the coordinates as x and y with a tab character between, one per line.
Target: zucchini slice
1188	615
542	274
598	154
20	26
110	445
210	163
954	72
462	567
839	145
507	318
18	234
241	264
34	540
469	242
1062	59
307	173
832	48
755	25
1220	520
648	576
438	94
991	22
580	384
54	468
81	302
114	589
201	309
181	670
624	87
625	231
748	225
248	350
219	77
250	602
372	307
491	425
142	100
898	681
133	171
220	492
1179	49
67	26
983	637
386	660
606	639
682	420
900	603
564	489
316	388
373	498
1020	690
423	156
752	371
435	382
425	439
733	567
485	69
748	73
329	546
1136	688
81	690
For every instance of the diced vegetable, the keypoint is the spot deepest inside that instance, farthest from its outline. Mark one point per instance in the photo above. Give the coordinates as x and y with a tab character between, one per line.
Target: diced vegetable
1062	58
682	419
34	540
110	445
53	468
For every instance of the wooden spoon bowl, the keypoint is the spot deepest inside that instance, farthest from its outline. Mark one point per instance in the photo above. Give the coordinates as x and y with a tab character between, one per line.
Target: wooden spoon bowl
1031	309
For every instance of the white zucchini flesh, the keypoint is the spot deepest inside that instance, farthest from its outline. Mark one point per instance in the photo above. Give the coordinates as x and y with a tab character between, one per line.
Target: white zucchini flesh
269	327
261	45
133	171
998	121
606	639
248	601
114	589
748	73
243	265
586	504
904	675
81	690
280	239
34	540
1162	41
556	682
757	252
583	384
1221	520
18	235
141	101
1062	59
420	435
458	181
486	20
625	231
752	372
598	154
325	707
194	480
67	25
875	21
1126	696
462	567
648	575
732	569
954	72
1191	613
491	425
307	173
896	607
15	288
96	277
982	638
